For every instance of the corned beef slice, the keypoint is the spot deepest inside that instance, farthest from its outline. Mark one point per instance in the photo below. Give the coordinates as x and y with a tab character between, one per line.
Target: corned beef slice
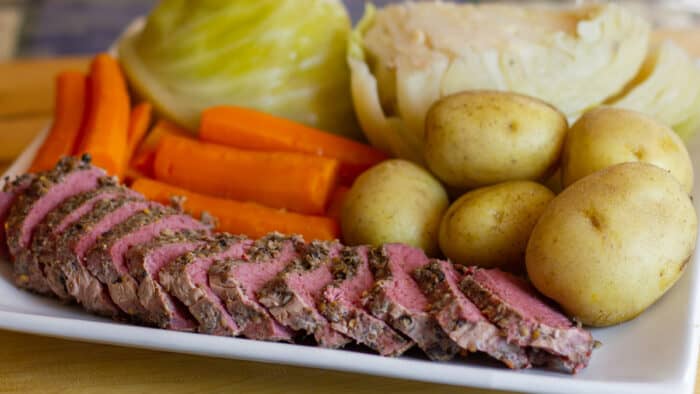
397	299
292	296
187	279
105	259
43	245
341	303
49	189
12	188
460	318
512	304
237	280
72	244
145	261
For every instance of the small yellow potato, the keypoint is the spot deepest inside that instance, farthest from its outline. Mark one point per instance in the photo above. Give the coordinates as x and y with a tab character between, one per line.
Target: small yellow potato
606	136
613	243
479	138
490	227
395	201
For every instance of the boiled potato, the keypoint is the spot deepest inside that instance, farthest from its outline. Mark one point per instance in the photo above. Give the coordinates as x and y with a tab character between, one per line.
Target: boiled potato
478	138
613	243
394	201
605	136
489	227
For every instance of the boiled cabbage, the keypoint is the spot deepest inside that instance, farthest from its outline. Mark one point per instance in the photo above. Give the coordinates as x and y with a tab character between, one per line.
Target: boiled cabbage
285	57
405	57
667	88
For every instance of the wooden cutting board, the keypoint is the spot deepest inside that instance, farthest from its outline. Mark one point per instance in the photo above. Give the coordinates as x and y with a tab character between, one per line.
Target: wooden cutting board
45	365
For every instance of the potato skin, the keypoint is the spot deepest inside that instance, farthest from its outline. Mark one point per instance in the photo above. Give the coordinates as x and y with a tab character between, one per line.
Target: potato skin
478	138
395	201
490	226
613	243
606	136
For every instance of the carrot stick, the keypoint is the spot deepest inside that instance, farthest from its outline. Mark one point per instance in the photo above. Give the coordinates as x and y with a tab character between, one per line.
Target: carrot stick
249	129
139	121
70	97
142	160
335	208
107	119
294	181
251	219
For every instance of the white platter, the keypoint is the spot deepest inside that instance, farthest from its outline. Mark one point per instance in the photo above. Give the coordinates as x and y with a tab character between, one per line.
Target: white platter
655	353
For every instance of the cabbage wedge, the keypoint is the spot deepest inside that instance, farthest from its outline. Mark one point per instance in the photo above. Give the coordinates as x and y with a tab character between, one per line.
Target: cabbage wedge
285	57
667	88
405	57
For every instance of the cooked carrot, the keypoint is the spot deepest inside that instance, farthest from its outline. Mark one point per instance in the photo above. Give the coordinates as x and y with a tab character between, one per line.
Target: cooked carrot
335	208
294	181
139	121
251	219
131	175
104	134
69	101
142	159
143	162
249	129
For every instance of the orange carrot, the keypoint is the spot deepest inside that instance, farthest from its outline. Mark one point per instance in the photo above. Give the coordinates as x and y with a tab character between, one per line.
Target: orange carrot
142	159
107	119
335	208
139	121
71	91
251	219
142	162
294	181
249	129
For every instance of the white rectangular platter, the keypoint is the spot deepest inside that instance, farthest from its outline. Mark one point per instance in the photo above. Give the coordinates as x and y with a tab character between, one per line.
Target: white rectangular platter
655	353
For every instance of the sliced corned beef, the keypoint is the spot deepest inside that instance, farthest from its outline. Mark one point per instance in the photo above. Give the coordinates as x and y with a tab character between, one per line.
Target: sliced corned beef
292	296
461	319
11	189
145	261
49	189
514	305
105	259
43	246
397	299
342	304
68	267
237	280
187	279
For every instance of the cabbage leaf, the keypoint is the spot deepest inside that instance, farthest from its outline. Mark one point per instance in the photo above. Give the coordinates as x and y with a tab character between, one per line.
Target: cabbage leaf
285	57
667	88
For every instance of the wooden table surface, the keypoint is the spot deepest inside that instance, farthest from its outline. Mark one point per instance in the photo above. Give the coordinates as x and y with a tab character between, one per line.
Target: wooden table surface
38	364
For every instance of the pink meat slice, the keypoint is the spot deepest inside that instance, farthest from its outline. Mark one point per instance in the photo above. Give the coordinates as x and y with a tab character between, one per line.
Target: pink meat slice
145	261
105	259
46	192
10	191
397	299
237	281
342	304
291	297
43	245
515	306
70	177
68	267
187	279
461	319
